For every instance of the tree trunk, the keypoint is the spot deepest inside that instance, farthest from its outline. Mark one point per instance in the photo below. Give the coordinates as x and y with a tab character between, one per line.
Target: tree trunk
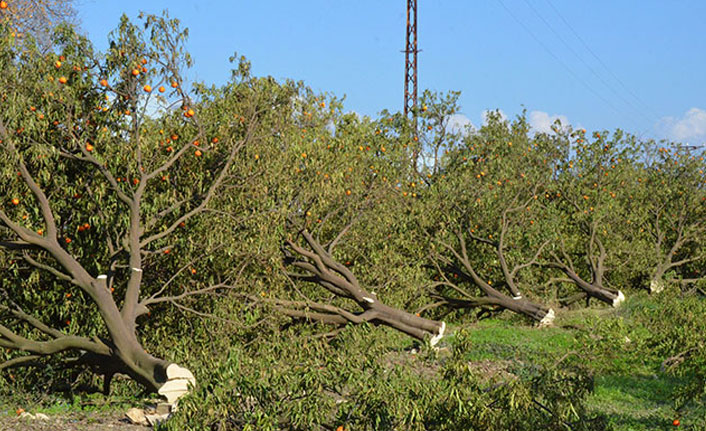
321	268
593	290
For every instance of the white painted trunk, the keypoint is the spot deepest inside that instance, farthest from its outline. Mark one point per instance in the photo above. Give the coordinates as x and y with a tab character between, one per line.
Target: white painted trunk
656	285
179	382
548	318
617	301
436	338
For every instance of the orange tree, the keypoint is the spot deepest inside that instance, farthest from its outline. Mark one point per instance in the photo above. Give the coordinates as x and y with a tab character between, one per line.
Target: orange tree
669	186
587	223
104	180
482	216
330	194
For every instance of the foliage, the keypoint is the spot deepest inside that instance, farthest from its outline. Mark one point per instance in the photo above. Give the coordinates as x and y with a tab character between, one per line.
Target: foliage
325	385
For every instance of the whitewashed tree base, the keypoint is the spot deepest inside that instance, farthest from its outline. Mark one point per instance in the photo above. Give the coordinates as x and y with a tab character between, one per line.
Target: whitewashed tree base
180	381
656	286
436	338
617	301
548	318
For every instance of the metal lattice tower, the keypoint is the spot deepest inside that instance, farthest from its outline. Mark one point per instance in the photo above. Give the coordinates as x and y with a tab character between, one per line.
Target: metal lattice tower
410	66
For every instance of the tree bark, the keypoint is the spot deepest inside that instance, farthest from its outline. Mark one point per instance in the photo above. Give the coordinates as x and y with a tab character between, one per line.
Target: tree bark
320	267
466	271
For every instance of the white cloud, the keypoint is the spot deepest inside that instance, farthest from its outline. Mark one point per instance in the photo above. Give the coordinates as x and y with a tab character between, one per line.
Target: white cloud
691	127
541	122
459	123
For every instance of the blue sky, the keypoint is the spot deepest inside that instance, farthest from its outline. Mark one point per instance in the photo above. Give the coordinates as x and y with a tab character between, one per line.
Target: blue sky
634	65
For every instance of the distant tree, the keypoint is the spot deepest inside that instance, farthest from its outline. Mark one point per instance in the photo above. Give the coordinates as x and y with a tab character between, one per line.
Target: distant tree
38	18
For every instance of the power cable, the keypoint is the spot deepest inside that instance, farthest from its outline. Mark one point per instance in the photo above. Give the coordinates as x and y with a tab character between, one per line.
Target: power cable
589	67
601	62
561	62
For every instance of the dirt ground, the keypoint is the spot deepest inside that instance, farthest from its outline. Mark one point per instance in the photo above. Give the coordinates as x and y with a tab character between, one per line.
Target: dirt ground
93	421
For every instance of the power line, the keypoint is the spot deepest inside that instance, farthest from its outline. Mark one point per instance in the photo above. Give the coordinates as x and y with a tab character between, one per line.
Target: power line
588	65
601	62
558	60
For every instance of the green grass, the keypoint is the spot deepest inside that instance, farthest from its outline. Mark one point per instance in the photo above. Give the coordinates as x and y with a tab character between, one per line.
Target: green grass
505	340
629	388
638	402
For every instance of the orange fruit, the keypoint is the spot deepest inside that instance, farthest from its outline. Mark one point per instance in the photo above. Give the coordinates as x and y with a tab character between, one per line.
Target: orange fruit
215	140
161	89
104	82
89	147
67	240
143	61
676	422
197	153
135	72
15	201
63	80
348	192
174	84
57	64
147	88
190	113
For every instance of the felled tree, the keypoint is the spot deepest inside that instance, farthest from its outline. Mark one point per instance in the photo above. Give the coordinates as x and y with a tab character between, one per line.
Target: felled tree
102	178
588	217
482	215
671	220
335	187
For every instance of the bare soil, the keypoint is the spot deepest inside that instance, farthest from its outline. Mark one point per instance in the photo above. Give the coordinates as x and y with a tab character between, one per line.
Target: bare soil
89	421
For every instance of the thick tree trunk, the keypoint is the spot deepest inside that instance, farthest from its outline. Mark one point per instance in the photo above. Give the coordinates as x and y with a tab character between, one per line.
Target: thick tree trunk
543	315
466	270
657	282
593	290
321	268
